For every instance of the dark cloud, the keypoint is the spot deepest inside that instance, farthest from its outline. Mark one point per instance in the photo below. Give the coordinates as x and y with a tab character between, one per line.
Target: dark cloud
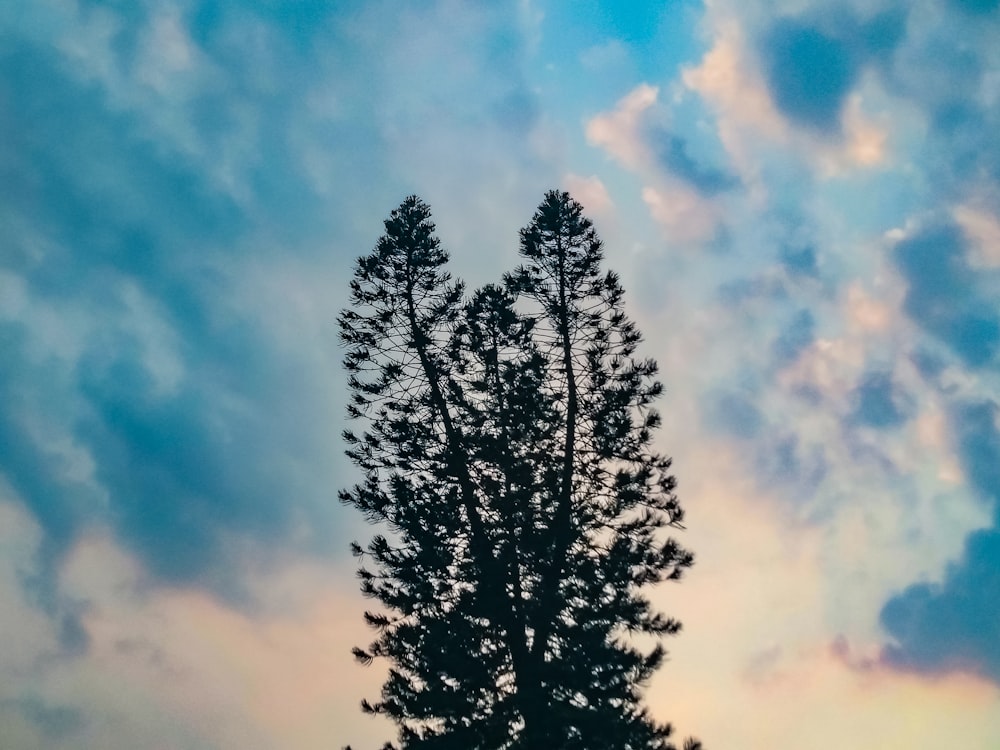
186	470
977	438
879	402
812	63
35	473
955	625
53	722
942	293
33	395
929	364
787	460
799	334
228	460
103	195
674	154
944	71
170	191
800	260
944	80
734	414
881	34
809	73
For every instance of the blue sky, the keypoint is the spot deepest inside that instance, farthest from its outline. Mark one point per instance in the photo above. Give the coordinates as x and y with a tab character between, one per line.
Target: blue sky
803	199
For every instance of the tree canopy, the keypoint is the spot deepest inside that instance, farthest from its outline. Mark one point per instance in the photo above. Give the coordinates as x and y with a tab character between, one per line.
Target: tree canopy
507	455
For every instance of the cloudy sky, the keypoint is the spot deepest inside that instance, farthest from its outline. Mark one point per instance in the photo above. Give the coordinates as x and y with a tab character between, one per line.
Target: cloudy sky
802	197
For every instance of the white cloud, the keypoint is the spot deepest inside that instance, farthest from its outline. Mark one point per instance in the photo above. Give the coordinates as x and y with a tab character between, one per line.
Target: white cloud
734	89
175	668
866	312
167	53
757	664
982	230
619	132
685	215
591	193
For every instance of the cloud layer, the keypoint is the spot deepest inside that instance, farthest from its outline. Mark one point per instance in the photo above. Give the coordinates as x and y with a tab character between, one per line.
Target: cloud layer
803	199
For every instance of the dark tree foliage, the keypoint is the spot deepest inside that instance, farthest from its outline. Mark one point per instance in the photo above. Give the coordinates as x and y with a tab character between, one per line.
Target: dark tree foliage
507	453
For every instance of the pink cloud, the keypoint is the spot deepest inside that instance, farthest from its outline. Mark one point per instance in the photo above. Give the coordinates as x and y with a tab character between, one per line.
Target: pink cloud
279	677
728	79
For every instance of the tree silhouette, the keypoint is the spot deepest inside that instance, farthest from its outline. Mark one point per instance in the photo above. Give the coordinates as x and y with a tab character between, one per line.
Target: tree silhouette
507	451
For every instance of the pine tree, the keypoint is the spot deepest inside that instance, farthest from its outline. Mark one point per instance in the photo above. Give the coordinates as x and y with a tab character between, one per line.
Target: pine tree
508	451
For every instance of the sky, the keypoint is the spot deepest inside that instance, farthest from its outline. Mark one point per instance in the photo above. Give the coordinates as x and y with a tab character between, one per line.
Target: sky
802	198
